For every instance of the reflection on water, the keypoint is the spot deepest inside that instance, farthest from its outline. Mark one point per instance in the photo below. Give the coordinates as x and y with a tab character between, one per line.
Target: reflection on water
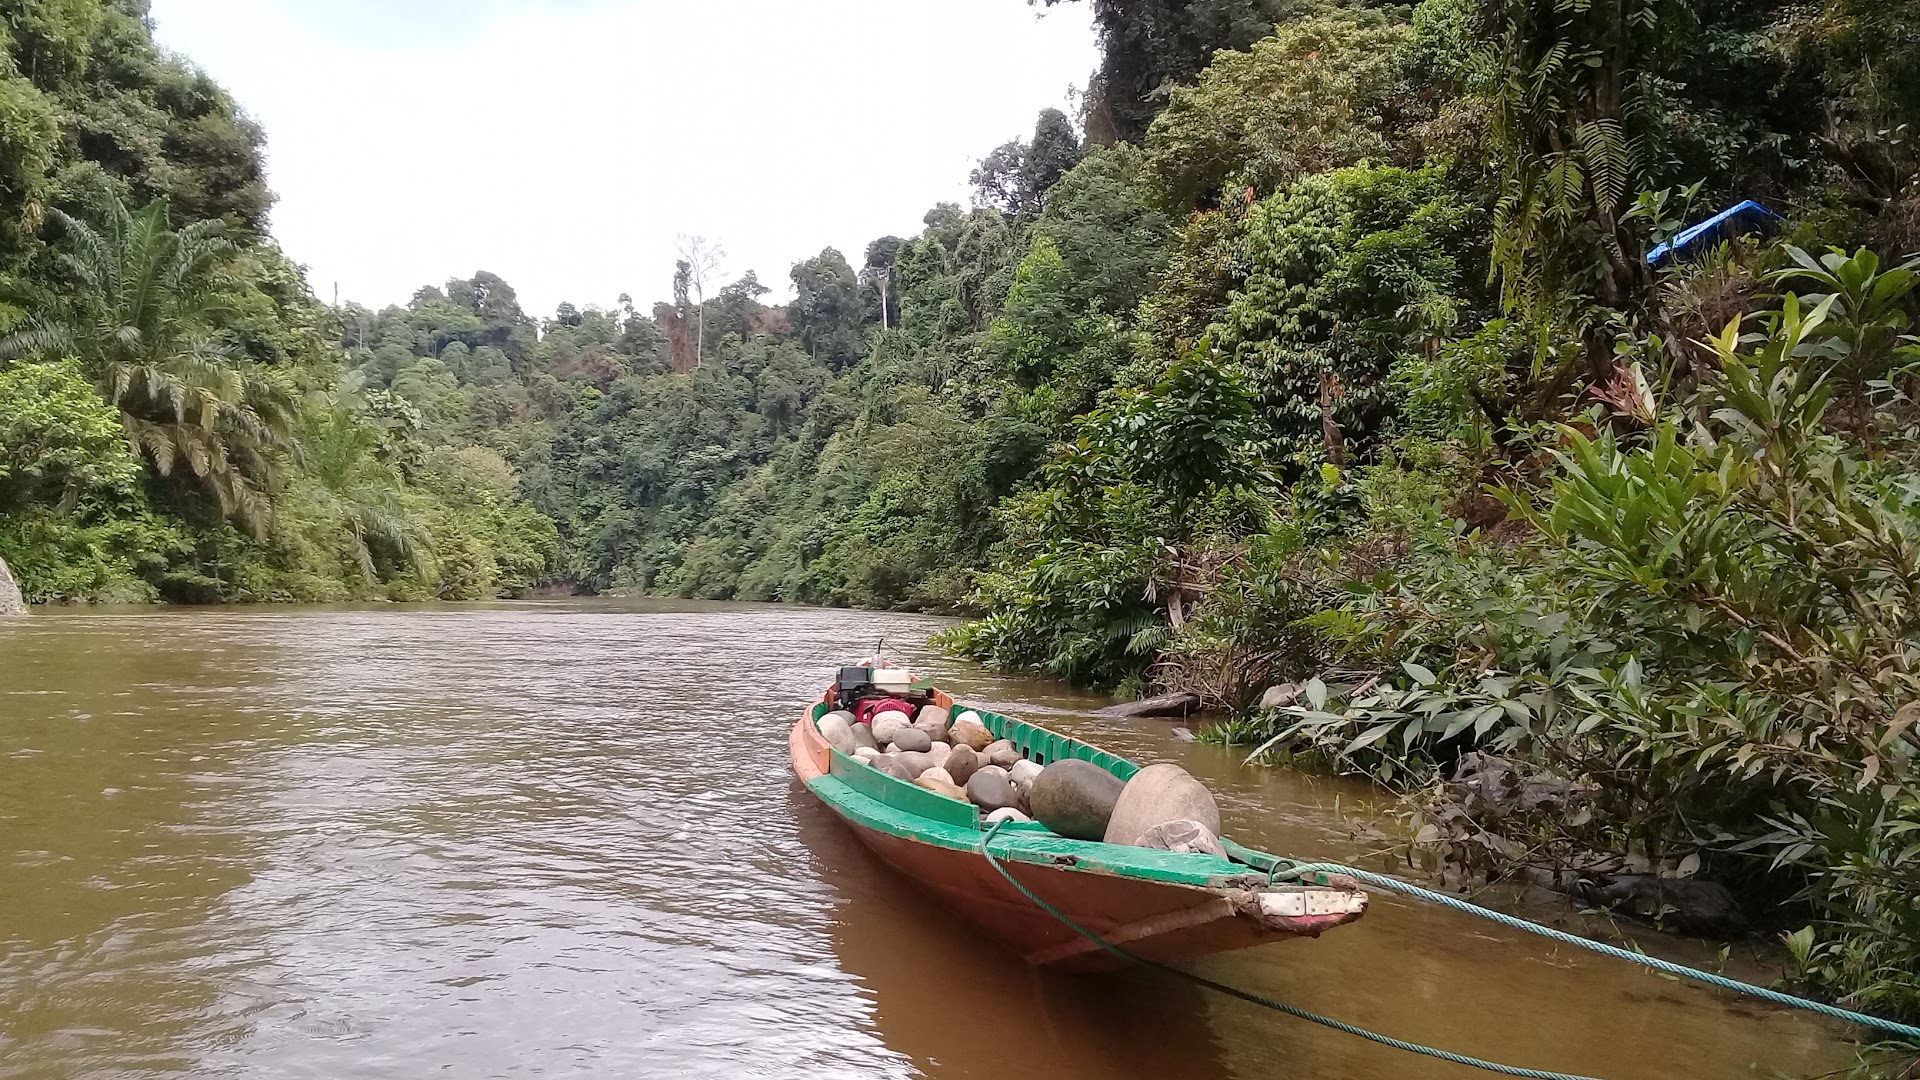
562	839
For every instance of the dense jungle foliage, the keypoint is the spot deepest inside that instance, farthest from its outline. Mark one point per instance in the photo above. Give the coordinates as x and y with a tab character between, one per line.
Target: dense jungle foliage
1322	353
177	419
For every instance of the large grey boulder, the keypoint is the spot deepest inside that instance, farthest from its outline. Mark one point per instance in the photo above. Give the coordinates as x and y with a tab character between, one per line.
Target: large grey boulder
1156	795
1074	798
1689	905
11	602
990	790
911	739
888	723
934	721
963	762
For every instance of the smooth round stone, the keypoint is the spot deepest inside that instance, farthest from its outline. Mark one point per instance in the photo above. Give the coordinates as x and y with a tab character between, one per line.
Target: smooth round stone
1075	798
934	721
912	739
1022	773
892	766
942	787
888	724
842	714
940	751
1186	836
990	790
863	737
1003	753
865	753
915	762
838	733
969	730
1007	814
1156	795
963	762
939	774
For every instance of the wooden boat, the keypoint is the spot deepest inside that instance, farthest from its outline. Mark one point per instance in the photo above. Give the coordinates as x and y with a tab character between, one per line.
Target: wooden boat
1158	904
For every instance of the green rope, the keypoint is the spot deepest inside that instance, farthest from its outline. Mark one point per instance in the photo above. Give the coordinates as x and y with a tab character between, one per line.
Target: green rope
1266	1002
1667	966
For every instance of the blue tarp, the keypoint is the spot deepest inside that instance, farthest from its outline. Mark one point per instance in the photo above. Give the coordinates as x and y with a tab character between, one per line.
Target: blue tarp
1748	217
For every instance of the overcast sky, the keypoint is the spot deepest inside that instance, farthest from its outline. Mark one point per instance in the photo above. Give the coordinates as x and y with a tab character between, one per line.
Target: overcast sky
562	144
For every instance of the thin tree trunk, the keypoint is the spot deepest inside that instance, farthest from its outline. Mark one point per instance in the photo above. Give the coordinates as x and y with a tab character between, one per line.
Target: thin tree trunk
1330	434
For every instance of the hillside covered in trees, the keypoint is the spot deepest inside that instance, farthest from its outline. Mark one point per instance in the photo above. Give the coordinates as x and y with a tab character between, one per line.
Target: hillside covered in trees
177	419
1323	350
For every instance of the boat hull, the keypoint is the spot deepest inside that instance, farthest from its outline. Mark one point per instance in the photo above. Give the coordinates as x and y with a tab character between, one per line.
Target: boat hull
1154	919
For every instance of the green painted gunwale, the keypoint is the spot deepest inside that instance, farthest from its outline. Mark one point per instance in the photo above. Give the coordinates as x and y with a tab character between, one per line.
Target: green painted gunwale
888	804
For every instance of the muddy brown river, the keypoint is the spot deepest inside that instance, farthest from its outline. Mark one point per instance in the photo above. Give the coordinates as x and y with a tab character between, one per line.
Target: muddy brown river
561	839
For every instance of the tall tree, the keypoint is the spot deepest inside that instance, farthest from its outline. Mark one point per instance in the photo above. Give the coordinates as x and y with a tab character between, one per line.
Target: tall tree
882	254
1014	178
1150	46
1054	150
703	259
996	179
683	354
1323	93
826	309
1577	133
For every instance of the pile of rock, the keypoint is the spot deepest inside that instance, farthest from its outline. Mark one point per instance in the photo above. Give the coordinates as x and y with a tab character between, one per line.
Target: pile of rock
1162	807
958	758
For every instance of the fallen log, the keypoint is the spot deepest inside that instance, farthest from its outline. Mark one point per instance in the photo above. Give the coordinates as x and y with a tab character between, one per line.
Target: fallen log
1174	705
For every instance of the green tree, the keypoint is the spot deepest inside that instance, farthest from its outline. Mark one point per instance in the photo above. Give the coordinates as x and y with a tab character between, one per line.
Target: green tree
1322	93
29	139
58	439
142	319
1095	251
1054	150
357	494
1150	46
1111	237
1015	177
1576	133
827	310
1346	272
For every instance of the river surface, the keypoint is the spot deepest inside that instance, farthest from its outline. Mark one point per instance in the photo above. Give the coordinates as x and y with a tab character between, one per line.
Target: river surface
562	839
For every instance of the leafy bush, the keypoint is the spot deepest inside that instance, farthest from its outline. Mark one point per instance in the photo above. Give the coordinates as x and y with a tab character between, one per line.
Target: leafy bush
1324	92
58	439
1345	272
1719	638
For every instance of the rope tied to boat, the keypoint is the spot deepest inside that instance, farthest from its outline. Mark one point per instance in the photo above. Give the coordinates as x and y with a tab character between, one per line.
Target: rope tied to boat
1261	1000
1668	967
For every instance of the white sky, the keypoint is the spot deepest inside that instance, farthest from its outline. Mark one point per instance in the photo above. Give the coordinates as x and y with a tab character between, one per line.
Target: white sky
563	144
